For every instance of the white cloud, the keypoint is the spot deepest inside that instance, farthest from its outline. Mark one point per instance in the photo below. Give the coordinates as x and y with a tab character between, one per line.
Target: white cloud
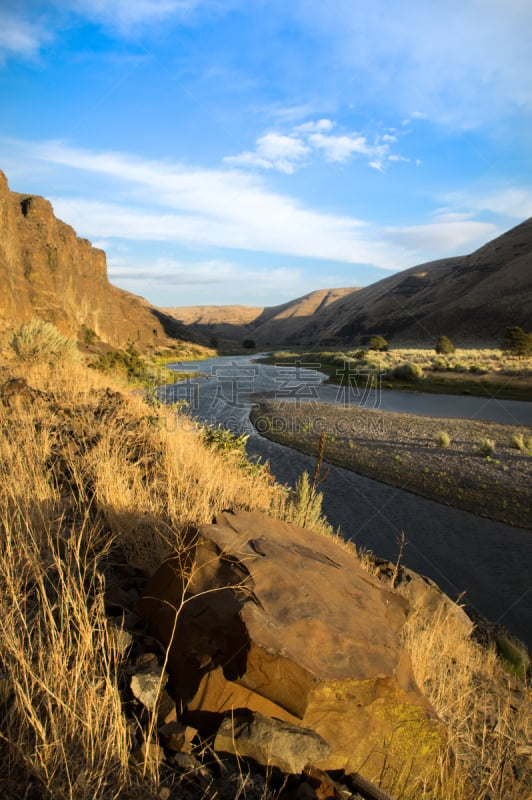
172	272
452	236
19	36
511	201
343	148
273	151
165	202
316	127
287	152
176	282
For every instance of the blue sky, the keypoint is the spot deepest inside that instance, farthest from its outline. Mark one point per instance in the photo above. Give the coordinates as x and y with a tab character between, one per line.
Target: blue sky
251	151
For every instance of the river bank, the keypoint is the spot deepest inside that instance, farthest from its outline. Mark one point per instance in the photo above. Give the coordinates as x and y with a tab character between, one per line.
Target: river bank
472	465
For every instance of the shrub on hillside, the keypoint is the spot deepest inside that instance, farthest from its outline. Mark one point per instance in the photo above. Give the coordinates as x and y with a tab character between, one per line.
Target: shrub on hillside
37	341
439	365
516	342
408	372
444	346
378	343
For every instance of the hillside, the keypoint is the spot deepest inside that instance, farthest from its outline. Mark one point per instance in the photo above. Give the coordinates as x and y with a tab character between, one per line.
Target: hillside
470	298
270	325
49	272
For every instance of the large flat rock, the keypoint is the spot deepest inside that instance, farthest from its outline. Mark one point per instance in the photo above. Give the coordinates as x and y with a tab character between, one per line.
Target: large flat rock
266	616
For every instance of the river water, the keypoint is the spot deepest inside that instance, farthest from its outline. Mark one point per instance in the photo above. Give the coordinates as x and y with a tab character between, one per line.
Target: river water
486	562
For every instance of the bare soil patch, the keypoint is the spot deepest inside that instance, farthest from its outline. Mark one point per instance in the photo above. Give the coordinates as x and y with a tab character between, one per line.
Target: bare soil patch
404	450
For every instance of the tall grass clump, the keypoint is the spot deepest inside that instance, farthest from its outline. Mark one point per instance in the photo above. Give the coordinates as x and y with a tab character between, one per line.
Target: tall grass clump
38	341
486	446
487	715
442	439
520	443
63	731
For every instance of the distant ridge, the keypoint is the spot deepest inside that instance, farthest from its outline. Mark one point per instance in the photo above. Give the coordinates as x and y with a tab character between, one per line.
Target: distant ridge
270	326
472	299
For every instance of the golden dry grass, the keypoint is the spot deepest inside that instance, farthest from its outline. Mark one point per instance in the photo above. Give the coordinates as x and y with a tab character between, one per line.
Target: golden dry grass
488	714
88	472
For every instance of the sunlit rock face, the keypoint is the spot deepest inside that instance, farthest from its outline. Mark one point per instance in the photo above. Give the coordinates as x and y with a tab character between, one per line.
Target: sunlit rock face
49	272
266	616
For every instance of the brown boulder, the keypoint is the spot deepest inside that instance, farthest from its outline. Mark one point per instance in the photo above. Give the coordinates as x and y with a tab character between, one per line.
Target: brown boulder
267	616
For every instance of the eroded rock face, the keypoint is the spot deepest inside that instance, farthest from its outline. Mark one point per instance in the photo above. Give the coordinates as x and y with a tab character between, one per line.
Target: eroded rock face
284	622
49	272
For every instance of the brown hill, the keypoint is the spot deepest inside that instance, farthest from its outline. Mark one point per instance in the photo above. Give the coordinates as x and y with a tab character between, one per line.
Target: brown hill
470	298
47	271
217	322
267	326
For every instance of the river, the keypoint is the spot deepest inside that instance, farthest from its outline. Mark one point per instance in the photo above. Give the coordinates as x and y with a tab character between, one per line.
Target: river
487	562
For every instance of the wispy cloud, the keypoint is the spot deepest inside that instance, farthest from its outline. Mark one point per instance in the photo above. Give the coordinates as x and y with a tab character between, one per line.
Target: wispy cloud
23	33
511	201
461	64
163	201
453	235
190	278
124	15
20	36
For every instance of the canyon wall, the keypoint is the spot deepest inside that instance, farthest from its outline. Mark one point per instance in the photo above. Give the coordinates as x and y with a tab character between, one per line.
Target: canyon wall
47	271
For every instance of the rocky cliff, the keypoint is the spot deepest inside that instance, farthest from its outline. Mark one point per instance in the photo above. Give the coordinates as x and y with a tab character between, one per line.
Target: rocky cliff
47	271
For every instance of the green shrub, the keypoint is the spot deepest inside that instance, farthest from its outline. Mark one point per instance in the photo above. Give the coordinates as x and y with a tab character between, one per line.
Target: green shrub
304	506
522	444
444	346
39	341
486	446
516	342
89	336
478	369
408	372
378	343
513	655
439	365
518	441
442	439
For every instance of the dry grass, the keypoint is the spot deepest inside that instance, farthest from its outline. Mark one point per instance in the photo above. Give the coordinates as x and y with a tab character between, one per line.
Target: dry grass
90	476
488	714
85	473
